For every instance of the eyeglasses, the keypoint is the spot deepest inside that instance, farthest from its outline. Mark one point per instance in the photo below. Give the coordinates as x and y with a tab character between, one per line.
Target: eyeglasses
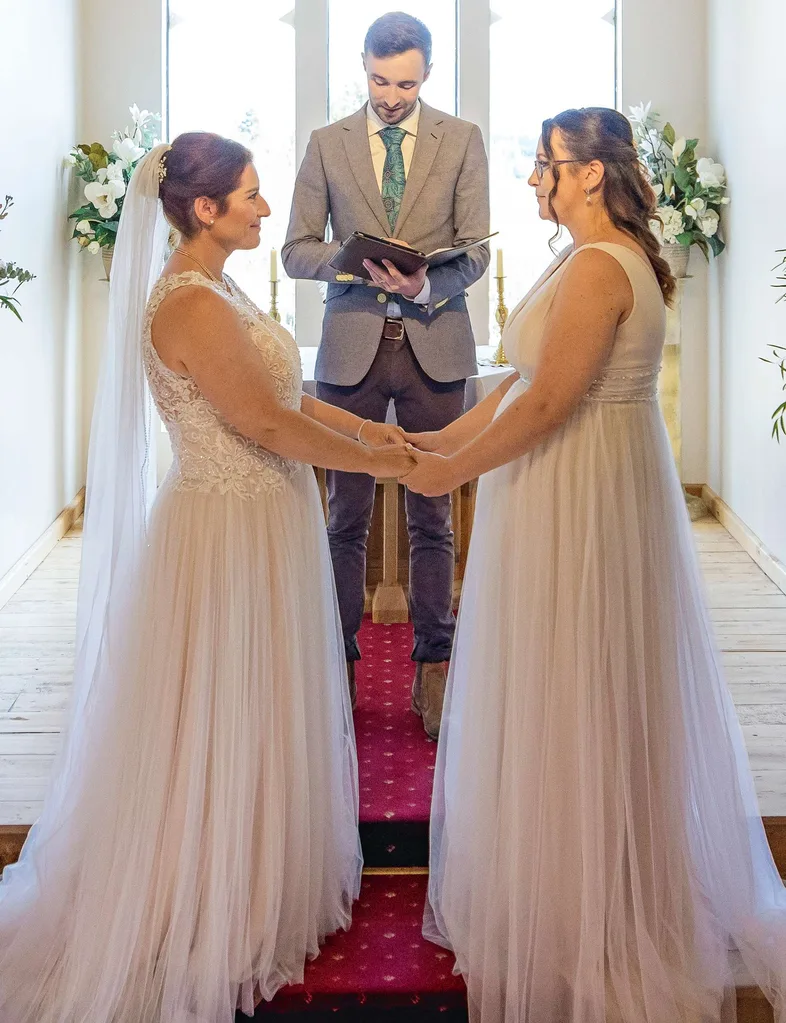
541	166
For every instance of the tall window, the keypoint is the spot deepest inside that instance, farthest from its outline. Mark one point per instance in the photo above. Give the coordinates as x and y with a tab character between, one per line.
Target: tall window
281	68
535	73
247	93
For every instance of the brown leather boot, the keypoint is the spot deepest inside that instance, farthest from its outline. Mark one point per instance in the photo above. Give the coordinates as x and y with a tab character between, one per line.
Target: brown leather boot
428	694
353	689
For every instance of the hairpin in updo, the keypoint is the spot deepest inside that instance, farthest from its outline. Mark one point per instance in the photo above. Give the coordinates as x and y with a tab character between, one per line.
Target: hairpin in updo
162	165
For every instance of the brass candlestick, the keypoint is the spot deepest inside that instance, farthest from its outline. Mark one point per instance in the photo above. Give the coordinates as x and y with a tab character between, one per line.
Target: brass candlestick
274	313
501	315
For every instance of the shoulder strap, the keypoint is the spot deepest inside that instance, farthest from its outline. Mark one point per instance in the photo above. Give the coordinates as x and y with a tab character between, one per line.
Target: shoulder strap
171	282
626	257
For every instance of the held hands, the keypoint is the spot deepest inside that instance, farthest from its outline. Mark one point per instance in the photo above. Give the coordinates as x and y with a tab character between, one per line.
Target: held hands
432	475
431	440
394	282
378	435
392	454
389	452
391	461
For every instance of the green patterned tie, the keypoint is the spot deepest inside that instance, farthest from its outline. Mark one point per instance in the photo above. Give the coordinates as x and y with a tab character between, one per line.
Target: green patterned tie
393	177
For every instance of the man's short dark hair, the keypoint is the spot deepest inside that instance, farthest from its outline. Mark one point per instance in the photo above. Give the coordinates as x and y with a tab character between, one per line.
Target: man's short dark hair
396	33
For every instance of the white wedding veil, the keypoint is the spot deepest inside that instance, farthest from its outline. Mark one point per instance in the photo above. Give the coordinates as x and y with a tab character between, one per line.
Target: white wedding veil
120	488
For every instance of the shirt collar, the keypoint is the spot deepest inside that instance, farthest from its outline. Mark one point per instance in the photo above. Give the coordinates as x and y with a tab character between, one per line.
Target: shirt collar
376	124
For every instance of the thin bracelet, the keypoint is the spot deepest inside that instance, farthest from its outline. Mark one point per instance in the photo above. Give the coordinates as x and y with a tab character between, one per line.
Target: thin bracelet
360	429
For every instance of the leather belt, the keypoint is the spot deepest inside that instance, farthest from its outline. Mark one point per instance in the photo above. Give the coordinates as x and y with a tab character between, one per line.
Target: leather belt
393	330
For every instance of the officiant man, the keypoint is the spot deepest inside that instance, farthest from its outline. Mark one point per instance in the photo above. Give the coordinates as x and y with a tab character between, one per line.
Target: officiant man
401	169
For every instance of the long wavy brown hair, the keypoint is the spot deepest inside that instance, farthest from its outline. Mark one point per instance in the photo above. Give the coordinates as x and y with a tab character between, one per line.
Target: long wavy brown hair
599	133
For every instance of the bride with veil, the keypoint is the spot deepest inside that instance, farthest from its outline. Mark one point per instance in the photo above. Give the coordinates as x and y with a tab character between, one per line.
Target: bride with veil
199	837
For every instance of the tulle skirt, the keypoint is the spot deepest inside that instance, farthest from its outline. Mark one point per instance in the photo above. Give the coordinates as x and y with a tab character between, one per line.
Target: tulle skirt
597	853
208	841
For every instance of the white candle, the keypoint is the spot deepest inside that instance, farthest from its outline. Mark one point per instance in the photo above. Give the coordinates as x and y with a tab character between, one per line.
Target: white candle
499	263
273	265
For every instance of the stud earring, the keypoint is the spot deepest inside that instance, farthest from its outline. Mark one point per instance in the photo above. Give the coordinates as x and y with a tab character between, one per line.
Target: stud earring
212	222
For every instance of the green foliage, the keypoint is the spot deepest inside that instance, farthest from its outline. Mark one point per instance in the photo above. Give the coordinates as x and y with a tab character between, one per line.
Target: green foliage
10	272
779	415
779	357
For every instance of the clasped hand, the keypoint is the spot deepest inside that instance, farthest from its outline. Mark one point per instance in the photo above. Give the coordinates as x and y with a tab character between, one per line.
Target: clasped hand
424	472
432	475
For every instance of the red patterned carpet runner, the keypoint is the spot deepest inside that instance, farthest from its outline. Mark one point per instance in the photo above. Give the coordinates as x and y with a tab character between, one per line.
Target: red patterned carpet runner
382	964
395	756
383	970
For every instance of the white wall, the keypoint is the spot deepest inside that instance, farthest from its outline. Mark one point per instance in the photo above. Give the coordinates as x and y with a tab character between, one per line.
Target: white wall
41	450
126	47
747	87
664	59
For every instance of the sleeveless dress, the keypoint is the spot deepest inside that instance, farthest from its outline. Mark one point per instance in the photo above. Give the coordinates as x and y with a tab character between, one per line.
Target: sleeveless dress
215	842
597	854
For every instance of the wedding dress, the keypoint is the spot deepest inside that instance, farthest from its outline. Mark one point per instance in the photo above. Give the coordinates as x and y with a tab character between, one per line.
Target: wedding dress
597	852
210	839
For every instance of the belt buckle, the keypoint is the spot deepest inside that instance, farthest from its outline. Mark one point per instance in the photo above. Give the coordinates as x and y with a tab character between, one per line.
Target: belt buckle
400	325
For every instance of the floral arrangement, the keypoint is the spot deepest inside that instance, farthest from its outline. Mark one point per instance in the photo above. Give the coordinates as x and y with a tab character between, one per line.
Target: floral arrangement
690	192
107	174
10	271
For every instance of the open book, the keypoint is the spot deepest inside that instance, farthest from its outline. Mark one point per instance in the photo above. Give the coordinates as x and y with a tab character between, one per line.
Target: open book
360	246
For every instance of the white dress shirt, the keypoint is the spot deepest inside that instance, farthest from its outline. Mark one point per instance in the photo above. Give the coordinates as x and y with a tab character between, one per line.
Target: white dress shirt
378	154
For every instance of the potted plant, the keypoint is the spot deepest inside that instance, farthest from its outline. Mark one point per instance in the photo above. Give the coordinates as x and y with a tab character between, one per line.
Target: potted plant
690	191
106	174
10	273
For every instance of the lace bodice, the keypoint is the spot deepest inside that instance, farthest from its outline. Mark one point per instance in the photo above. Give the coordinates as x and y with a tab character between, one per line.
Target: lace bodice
631	373
208	453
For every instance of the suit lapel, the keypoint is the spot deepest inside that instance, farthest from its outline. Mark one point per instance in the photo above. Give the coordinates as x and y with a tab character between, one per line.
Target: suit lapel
358	153
430	132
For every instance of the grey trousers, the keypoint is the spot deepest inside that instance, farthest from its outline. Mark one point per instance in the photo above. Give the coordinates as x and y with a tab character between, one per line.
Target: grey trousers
421	404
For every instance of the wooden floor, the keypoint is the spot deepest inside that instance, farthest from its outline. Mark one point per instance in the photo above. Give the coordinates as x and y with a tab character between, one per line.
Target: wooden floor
37	651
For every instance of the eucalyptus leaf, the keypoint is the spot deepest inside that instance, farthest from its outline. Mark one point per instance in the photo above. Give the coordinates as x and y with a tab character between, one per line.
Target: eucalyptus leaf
7	302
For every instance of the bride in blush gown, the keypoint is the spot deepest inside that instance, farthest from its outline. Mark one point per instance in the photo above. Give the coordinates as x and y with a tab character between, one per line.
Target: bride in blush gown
199	838
597	854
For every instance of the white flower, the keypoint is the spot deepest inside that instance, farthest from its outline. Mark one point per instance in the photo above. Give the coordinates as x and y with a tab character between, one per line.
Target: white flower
70	160
640	113
93	248
678	148
103	193
695	208
711	174
670	225
127	151
83	227
708	224
657	188
114	172
141	117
